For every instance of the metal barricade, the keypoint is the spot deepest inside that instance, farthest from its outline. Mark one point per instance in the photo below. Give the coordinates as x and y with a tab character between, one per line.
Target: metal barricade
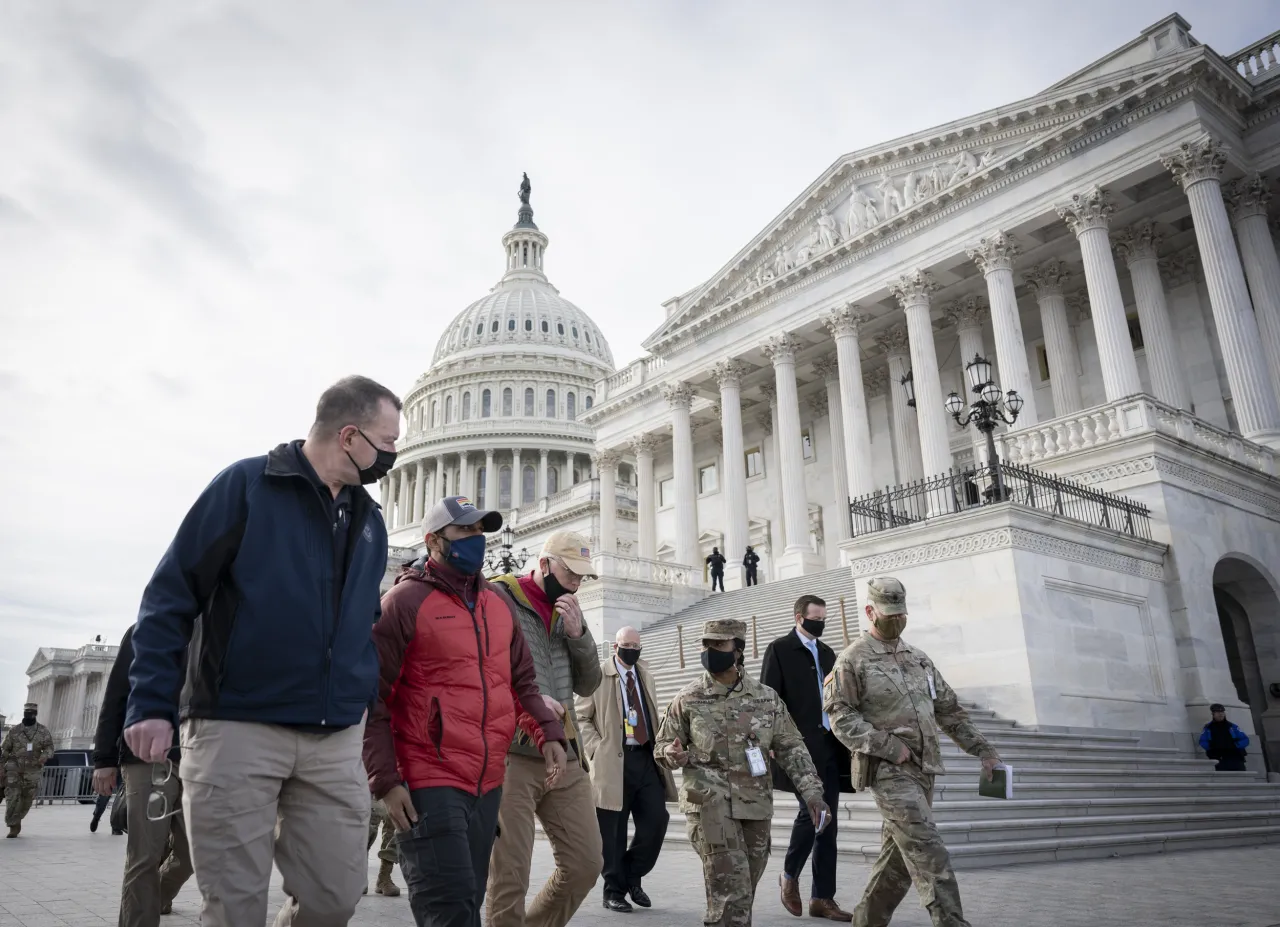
66	784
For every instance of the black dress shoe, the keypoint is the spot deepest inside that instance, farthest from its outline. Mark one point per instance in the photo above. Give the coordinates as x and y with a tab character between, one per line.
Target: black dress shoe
618	904
639	897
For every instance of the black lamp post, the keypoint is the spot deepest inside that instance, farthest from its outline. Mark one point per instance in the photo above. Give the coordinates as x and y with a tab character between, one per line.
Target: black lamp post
503	560
909	384
986	411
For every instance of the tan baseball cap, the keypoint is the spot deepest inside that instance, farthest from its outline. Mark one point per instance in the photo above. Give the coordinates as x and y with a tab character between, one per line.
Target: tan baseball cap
573	549
888	595
724	629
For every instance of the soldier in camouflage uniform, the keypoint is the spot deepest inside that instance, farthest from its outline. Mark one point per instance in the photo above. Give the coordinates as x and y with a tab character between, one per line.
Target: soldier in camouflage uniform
887	702
378	817
25	750
718	728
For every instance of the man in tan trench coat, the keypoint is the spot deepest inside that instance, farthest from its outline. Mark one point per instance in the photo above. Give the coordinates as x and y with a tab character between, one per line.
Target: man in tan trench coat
617	723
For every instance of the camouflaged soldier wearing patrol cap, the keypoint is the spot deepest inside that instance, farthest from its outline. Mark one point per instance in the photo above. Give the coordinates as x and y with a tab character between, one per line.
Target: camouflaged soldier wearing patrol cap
724	629
887	595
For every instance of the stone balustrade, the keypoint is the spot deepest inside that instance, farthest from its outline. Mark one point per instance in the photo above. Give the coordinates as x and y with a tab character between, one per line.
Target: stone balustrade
1257	59
1116	421
635	374
504	425
642	570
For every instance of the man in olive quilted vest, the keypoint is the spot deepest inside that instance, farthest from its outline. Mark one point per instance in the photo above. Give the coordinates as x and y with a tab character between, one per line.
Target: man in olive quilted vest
566	661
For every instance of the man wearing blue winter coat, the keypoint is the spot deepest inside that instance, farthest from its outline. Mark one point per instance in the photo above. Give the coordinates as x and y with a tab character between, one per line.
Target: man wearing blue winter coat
1223	741
271	586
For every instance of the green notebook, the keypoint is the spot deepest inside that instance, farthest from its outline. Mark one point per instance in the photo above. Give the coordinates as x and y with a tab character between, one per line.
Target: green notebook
1000	784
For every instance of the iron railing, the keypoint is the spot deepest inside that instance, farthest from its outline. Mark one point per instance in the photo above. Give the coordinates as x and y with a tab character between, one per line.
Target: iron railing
66	783
962	490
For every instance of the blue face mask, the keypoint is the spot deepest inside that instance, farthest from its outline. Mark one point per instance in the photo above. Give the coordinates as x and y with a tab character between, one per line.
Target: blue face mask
466	555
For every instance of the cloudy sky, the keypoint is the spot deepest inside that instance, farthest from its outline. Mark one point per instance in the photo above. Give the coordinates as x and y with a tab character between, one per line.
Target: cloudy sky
209	210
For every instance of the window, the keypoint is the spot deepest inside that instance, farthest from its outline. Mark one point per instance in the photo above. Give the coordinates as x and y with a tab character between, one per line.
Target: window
545	327
806	443
511	325
575	331
528	325
494	326
587	335
707	479
506	401
480	329
553	481
504	488
667	492
435	412
559	328
528	402
1135	331
588	400
571	407
448	409
755	462
528	484
481	488
1042	361
551	403
466	406
486	406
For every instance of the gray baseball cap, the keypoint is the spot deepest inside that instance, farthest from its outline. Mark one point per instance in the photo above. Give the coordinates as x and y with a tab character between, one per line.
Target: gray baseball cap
888	595
459	510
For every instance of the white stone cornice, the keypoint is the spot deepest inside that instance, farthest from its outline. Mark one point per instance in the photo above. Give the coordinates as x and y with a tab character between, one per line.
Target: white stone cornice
1089	210
781	348
994	252
1248	197
913	287
968	312
1139	242
1196	160
844	320
678	394
729	372
895	342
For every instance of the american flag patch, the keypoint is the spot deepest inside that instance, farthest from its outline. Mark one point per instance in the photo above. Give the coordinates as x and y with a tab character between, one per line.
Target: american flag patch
586	552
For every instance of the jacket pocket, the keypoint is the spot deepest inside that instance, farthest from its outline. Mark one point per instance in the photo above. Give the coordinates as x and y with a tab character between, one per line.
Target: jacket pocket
435	727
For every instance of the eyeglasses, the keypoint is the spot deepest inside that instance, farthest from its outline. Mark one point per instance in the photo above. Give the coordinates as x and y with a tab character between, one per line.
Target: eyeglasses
158	802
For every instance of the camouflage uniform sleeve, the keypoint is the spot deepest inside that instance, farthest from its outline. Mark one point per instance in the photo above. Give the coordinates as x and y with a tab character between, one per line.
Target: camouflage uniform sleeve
954	720
6	748
44	750
673	725
841	701
793	756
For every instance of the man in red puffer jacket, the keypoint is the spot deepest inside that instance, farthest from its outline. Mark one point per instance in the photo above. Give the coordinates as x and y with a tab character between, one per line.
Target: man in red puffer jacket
453	662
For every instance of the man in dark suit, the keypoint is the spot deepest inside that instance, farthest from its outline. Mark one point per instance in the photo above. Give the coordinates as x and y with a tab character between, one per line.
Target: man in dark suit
794	666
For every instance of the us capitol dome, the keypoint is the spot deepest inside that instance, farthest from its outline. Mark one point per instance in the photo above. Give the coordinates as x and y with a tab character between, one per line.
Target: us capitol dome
495	417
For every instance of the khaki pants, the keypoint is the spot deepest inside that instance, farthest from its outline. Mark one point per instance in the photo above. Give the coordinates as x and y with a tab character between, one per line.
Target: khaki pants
568	816
257	792
152	876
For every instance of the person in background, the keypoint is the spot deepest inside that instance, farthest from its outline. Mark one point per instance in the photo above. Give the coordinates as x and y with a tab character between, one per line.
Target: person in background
1223	741
271	588
716	564
153	875
751	562
566	660
794	666
23	753
455	674
618	721
100	808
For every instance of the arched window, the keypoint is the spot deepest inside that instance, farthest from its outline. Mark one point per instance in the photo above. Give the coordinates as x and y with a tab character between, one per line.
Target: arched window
494	326
480	328
435	412
482	490
588	400
486	407
506	401
545	327
528	325
504	488
528	484
587	335
571	407
466	406
528	403
551	403
448	409
575	331
553	481
560	328
511	325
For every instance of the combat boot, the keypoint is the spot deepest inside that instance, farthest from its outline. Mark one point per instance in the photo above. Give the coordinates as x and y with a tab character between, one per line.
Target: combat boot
15	829
385	886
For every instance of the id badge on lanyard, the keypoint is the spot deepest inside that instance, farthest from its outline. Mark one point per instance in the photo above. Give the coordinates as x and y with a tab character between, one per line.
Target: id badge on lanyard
933	693
630	725
755	760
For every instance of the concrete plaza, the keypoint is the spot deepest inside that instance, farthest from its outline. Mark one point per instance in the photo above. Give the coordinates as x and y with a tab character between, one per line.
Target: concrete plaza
57	873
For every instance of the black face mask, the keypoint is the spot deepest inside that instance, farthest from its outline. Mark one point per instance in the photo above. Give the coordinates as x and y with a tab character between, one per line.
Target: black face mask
552	587
719	661
629	655
382	463
812	626
28	720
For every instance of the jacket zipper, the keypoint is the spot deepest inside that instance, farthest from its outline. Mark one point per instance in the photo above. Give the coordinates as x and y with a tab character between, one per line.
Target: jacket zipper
484	689
327	584
440	720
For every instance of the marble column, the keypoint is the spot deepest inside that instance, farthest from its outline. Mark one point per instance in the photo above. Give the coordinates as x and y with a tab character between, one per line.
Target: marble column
517	479
404	514
420	491
844	324
829	369
728	374
1060	348
781	350
1248	199
968	316
1197	166
490	484
437	485
994	256
541	489
464	475
607	467
1137	246
769	425
912	291
646	505
679	397
385	486
1088	215
906	436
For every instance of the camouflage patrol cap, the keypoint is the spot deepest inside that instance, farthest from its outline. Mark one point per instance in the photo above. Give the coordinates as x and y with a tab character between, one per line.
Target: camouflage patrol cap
888	595
724	629
31	706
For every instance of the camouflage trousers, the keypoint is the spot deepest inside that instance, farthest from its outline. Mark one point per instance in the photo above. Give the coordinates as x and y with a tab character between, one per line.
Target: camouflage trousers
911	851
378	816
734	854
20	787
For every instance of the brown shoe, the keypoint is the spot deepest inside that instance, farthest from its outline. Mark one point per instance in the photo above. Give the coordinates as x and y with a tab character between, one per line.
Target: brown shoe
827	908
385	886
791	895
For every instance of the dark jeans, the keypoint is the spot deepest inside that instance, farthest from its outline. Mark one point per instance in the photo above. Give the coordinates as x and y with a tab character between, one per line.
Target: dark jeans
100	803
445	856
1230	764
751	578
824	846
644	800
717	578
